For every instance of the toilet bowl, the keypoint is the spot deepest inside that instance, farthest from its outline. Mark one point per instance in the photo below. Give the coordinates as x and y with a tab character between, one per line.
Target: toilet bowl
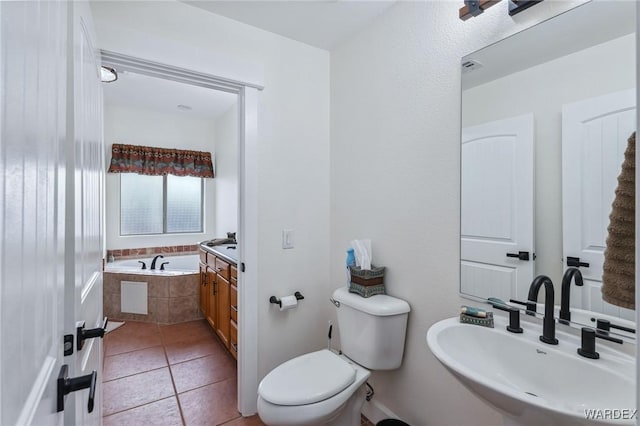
324	388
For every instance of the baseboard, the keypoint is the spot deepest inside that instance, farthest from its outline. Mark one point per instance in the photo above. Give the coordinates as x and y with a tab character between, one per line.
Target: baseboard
375	411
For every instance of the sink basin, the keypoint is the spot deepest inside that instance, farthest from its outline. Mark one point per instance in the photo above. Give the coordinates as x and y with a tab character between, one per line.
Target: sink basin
533	383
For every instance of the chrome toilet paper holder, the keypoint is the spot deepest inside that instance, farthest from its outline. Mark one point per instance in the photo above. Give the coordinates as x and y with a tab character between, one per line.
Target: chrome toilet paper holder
278	302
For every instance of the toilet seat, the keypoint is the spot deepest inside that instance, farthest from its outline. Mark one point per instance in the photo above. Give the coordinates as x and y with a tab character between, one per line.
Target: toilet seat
305	379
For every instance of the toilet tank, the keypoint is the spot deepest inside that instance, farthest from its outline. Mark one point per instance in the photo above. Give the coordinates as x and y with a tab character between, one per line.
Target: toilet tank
373	329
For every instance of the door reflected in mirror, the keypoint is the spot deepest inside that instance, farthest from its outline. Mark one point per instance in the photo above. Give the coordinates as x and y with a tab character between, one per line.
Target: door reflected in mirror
546	115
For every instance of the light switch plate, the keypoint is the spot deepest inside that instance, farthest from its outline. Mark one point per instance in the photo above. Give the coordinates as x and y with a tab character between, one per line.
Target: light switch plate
287	238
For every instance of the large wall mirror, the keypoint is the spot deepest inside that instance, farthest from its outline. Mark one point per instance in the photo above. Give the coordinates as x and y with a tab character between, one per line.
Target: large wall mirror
546	115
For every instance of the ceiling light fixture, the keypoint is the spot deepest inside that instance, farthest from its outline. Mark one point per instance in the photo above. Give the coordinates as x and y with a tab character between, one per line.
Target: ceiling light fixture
474	8
108	74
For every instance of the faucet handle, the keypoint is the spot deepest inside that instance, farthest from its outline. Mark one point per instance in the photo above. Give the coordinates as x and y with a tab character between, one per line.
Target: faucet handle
162	265
530	305
514	314
587	347
604	326
144	265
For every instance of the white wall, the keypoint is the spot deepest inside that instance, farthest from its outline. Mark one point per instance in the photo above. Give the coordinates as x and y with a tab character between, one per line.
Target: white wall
137	126
395	149
293	148
226	165
549	86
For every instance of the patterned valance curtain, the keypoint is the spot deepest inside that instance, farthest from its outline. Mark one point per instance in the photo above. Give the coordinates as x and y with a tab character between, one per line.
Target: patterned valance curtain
147	160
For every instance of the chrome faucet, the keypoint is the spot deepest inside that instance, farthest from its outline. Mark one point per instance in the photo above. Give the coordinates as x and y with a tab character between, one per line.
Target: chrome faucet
548	322
153	262
569	275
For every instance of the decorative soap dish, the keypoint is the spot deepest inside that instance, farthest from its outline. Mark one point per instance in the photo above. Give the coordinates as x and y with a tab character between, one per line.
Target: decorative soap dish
485	322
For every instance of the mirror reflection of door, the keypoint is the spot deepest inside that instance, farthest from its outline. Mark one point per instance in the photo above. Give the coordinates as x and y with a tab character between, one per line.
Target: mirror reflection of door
497	208
594	138
587	52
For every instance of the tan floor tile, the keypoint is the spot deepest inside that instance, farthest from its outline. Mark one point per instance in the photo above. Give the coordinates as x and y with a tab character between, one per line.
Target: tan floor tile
132	336
133	391
203	371
119	345
160	413
210	405
186	351
186	331
129	363
245	421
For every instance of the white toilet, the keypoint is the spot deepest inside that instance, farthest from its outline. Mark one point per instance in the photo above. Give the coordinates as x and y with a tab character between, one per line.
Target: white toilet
323	388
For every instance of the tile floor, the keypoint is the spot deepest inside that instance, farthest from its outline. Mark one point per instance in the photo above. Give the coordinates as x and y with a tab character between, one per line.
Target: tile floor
169	375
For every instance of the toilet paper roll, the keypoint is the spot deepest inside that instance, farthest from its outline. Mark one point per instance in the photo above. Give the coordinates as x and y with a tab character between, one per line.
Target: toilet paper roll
288	302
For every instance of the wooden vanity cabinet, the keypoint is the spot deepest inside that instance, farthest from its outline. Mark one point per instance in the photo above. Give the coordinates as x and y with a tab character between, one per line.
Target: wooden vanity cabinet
219	298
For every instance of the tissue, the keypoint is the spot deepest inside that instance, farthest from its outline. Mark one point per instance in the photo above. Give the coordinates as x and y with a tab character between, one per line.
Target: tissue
362	250
288	302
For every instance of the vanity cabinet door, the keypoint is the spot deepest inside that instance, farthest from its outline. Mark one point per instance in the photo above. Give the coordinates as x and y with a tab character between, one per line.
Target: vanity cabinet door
211	297
233	301
233	339
223	310
204	299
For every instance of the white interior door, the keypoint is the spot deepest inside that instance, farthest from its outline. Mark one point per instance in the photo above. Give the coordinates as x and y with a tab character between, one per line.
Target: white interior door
594	138
32	215
85	183
497	208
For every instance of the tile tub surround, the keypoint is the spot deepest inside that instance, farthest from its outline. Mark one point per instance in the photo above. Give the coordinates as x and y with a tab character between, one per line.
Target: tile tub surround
171	299
133	253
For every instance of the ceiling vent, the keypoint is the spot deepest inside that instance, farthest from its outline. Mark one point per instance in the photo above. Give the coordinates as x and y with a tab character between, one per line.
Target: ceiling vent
470	65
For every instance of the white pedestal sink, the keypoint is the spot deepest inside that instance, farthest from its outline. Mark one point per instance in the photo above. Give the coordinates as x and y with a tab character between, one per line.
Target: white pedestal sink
533	383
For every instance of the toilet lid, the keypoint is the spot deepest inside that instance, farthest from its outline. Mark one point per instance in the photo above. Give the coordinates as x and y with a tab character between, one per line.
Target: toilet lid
307	379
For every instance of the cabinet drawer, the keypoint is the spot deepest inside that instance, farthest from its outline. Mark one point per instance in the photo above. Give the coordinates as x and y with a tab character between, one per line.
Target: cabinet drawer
203	256
211	261
222	268
233	339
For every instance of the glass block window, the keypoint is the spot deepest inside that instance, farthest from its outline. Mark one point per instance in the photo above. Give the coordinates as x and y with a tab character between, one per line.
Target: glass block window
160	204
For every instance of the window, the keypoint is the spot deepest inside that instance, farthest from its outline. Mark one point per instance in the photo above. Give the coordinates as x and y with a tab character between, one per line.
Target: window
160	204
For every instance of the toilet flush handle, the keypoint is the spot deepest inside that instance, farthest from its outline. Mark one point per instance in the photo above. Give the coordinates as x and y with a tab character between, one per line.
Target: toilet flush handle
335	302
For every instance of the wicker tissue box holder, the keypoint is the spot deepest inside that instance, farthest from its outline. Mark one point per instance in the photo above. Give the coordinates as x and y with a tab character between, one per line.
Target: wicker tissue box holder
367	282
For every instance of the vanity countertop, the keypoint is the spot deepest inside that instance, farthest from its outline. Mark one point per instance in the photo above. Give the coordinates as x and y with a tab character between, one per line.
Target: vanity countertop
228	252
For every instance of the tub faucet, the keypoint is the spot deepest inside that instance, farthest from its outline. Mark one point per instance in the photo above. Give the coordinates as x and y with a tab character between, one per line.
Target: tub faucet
569	275
153	262
548	322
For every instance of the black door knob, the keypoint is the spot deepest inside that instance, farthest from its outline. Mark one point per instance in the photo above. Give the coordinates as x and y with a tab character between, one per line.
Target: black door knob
82	334
67	385
522	255
575	262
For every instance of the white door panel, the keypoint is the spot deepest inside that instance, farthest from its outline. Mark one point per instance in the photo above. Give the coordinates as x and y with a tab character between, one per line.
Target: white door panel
32	135
594	138
85	239
50	223
497	208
